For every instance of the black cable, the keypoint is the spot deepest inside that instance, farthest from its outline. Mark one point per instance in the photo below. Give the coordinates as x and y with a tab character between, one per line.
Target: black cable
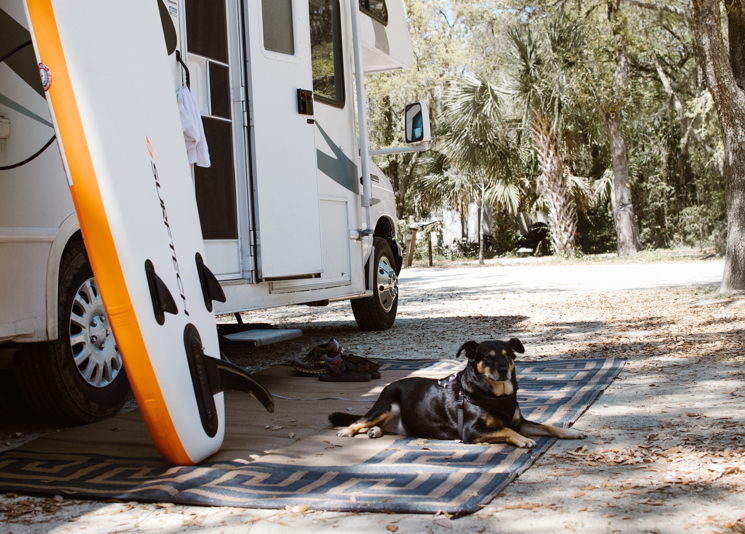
16	49
32	158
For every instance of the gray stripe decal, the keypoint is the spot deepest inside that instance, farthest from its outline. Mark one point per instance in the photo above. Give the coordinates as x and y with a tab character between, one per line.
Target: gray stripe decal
7	102
23	63
340	169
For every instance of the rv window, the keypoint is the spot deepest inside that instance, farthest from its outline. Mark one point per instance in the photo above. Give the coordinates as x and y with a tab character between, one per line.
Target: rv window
206	30
219	90
325	42
277	25
376	9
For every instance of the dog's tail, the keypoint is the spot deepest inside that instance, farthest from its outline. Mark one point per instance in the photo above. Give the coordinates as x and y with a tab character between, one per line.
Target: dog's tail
343	419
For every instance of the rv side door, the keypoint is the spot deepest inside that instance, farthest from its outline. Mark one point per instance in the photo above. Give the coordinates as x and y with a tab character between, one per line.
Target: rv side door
283	151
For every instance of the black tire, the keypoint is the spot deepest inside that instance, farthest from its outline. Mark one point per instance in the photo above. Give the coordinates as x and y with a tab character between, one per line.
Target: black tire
372	313
50	382
12	406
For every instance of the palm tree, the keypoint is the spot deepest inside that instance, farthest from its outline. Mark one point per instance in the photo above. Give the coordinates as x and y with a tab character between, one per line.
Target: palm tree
476	159
537	86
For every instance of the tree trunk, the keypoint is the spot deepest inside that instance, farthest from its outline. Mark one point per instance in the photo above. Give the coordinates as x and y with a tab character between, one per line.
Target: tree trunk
627	228
562	215
398	191
730	102
481	227
736	27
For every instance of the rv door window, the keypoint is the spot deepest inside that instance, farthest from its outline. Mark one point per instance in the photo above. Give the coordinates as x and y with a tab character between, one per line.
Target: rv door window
375	9
205	26
276	16
326	52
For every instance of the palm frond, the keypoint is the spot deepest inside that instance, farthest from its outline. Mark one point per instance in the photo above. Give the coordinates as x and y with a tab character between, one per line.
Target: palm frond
603	189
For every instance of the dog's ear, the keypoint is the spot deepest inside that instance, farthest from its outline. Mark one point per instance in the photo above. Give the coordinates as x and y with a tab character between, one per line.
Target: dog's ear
470	348
516	345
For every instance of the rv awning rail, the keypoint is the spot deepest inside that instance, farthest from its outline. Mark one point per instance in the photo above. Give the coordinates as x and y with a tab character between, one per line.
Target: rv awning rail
359	78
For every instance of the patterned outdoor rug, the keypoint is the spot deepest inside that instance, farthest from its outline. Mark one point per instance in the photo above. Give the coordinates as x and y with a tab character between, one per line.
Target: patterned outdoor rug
294	457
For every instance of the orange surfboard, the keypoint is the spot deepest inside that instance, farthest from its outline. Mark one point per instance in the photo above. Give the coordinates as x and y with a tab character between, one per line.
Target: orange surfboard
106	73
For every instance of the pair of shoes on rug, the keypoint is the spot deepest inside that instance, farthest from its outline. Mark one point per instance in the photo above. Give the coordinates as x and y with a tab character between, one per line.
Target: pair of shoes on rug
332	365
352	369
320	359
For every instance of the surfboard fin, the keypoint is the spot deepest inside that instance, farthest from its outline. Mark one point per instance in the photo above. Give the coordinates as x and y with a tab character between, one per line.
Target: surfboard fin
211	288
226	376
162	299
210	376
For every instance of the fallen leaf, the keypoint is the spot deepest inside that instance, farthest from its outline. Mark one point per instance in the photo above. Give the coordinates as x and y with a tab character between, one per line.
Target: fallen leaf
650	502
391	528
732	469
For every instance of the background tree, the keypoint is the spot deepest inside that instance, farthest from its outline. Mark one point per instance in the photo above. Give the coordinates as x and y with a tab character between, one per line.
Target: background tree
627	228
674	148
476	159
725	77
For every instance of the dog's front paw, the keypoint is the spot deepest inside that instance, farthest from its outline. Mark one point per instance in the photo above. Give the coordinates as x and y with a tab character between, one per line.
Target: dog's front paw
523	443
346	433
375	432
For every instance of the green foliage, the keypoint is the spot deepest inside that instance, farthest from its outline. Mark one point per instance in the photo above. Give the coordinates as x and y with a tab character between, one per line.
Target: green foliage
504	235
484	68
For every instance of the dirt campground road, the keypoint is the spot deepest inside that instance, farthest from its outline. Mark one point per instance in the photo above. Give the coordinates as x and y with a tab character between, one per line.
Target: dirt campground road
665	452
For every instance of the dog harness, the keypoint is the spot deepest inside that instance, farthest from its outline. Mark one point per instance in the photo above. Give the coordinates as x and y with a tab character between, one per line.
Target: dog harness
504	405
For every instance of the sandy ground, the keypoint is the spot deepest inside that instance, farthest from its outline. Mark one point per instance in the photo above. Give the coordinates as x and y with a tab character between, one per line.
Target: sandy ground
665	452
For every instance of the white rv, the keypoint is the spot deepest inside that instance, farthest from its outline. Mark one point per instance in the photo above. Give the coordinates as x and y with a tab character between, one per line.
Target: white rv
292	210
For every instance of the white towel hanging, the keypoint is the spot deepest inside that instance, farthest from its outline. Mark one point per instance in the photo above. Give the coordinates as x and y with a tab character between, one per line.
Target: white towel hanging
191	124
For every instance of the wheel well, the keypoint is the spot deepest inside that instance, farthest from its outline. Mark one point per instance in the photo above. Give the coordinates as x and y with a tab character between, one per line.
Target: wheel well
74	238
384	228
68	235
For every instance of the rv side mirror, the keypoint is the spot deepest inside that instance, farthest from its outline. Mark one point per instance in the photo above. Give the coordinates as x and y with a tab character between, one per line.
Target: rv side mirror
417	123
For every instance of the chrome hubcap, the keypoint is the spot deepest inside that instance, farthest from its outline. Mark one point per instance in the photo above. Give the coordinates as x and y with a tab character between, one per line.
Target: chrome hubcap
92	343
387	283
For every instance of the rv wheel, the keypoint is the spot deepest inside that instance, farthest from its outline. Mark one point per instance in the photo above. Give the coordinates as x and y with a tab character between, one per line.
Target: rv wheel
379	311
79	378
12	406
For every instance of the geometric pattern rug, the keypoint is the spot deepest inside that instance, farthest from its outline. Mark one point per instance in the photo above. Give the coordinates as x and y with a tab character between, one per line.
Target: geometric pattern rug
294	456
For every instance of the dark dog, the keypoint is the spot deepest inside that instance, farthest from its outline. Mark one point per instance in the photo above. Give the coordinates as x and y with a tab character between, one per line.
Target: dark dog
476	405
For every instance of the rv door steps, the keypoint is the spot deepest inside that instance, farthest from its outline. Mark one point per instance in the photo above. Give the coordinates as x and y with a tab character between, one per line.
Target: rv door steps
259	337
